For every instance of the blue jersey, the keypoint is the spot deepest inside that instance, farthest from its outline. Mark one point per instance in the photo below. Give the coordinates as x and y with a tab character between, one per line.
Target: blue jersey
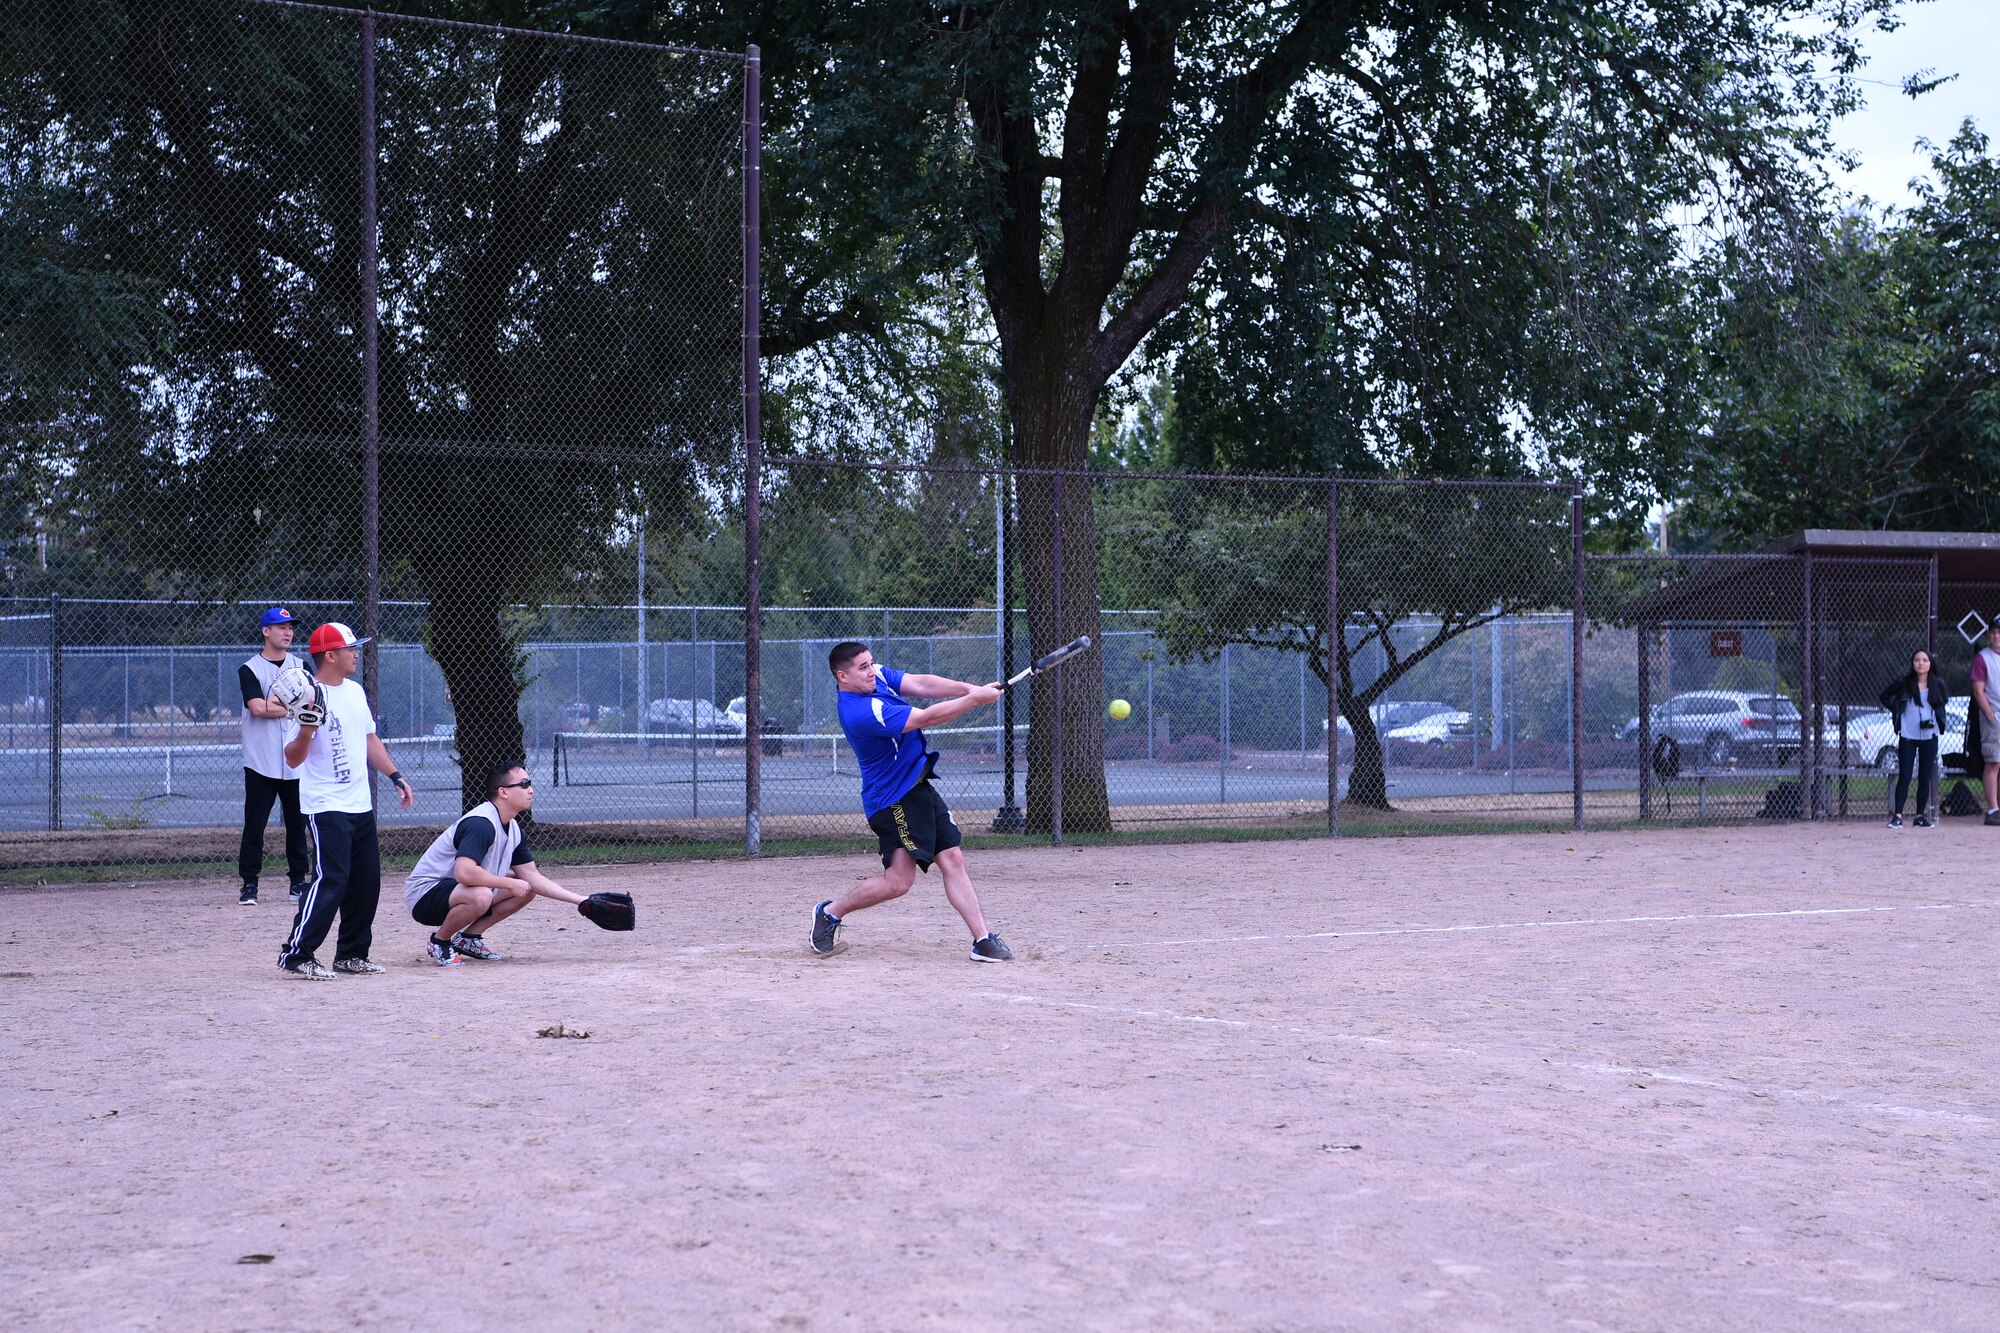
892	760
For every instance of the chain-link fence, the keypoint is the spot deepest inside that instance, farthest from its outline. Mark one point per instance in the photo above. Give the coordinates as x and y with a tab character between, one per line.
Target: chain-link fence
430	328
442	331
1731	686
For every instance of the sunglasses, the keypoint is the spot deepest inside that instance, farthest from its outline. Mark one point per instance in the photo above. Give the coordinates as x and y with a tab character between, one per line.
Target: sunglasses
524	782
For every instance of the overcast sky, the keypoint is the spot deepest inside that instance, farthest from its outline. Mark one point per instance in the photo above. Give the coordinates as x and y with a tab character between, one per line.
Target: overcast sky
1950	36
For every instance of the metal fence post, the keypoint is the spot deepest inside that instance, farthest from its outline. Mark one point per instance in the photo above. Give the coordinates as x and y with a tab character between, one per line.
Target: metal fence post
371	419
753	526
1808	760
1335	649
1645	721
55	708
1056	677
1576	656
1222	749
1009	817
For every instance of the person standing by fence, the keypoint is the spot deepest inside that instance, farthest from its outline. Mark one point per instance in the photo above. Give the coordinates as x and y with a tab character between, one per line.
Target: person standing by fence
267	778
1915	703
1981	716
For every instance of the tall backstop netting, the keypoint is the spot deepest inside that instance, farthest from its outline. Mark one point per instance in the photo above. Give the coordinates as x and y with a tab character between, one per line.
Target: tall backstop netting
428	328
449	333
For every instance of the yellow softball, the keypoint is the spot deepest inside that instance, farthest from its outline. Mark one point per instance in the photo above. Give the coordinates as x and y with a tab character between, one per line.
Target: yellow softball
1120	709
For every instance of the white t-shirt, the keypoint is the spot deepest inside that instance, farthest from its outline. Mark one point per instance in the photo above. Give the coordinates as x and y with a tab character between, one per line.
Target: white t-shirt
265	738
335	773
481	834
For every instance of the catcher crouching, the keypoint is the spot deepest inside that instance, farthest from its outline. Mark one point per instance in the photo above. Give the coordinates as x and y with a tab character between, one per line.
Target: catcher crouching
480	871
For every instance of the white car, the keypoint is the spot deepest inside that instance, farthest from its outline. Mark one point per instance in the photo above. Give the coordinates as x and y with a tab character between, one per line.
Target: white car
693	715
1433	730
736	713
1871	737
1395	713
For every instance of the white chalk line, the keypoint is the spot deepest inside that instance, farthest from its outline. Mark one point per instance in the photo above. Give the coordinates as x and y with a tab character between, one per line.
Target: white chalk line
1806	1095
1472	927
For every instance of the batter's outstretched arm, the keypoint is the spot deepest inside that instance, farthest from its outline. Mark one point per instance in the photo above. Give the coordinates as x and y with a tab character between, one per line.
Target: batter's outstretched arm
935	687
976	696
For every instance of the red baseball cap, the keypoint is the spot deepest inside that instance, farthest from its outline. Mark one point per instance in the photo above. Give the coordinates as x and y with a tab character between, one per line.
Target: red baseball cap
330	636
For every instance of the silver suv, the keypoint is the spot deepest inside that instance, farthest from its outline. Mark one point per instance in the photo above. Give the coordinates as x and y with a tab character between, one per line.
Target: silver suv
1724	725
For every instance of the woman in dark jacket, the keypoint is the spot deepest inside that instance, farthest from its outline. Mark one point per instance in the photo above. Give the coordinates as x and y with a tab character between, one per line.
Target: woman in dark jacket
1915	704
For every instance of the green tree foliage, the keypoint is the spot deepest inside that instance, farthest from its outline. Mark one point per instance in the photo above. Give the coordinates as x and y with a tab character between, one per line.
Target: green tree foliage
1857	385
1419	237
559	345
1247	564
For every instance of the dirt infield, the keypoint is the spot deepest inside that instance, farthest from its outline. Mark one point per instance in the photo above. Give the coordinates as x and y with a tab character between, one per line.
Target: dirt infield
1699	1079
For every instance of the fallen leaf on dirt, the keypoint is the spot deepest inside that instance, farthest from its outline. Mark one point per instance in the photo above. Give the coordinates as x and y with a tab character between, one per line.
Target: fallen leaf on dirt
560	1031
256	1258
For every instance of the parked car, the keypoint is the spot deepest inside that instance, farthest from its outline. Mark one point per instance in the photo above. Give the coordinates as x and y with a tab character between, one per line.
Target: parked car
1433	730
1723	725
1390	715
737	712
693	715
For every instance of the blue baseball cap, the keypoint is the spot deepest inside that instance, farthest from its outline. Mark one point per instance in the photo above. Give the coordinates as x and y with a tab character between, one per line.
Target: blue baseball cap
277	615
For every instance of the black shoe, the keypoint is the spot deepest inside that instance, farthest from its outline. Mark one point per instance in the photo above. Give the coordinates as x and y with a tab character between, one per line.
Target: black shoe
825	928
1923	821
298	891
1895	821
248	897
990	948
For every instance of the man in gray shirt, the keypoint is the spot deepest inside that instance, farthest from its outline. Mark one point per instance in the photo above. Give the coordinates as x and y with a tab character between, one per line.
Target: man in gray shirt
266	775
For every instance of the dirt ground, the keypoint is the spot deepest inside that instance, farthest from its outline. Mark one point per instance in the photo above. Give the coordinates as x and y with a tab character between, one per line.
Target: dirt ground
1688	1079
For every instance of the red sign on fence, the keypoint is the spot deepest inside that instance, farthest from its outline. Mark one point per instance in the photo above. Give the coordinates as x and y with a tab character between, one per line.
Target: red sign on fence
1725	643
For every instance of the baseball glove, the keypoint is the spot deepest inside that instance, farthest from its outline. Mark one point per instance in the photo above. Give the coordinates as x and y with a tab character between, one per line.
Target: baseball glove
302	697
612	911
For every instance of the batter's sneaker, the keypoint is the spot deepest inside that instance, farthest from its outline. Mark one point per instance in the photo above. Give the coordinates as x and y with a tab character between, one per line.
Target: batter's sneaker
472	946
826	927
1895	821
310	969
358	966
247	897
443	954
1923	821
990	948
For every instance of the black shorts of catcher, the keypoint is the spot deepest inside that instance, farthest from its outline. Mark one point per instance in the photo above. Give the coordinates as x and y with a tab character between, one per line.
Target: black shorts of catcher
432	908
920	824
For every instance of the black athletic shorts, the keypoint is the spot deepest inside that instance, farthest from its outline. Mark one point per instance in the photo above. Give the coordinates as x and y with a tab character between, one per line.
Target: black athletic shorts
431	908
920	824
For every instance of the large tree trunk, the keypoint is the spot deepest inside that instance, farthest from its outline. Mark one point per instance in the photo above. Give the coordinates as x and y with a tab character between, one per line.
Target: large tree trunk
1367	779
1052	430
478	665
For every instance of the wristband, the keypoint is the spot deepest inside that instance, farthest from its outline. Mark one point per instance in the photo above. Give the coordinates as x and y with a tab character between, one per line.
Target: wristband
396	778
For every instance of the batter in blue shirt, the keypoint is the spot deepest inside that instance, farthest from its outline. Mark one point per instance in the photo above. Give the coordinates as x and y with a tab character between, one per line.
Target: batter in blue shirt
909	817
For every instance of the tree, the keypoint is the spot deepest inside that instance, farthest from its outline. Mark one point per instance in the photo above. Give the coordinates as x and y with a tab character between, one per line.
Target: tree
1105	158
1247	564
560	340
1855	386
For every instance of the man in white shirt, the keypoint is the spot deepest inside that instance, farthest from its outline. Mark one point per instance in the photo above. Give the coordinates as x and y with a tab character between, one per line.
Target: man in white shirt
479	872
267	778
335	746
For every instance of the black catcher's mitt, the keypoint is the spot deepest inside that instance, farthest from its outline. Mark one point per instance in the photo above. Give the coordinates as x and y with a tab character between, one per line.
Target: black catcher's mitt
612	911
